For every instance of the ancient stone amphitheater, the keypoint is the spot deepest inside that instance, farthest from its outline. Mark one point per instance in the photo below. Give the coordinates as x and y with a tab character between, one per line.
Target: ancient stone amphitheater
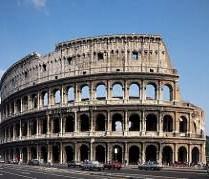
104	98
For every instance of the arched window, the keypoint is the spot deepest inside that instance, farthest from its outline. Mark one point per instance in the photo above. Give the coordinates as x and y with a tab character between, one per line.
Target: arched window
134	122
57	96
167	93
117	91
45	99
84	123
134	90
182	155
100	122
70	94
151	122
117	122
167	123
101	91
182	124
85	92
150	91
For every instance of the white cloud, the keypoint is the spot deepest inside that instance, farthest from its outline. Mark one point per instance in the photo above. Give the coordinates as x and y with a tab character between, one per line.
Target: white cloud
39	4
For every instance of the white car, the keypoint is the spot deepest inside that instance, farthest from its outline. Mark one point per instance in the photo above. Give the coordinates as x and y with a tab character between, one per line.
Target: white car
92	165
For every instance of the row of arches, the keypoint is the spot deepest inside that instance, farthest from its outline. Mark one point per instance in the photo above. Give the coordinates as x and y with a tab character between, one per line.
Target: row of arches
116	154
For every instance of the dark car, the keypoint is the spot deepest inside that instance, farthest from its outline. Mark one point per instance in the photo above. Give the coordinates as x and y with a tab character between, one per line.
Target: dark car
34	162
113	165
74	164
150	165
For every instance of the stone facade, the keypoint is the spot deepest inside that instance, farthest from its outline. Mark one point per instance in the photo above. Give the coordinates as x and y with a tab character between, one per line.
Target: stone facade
103	98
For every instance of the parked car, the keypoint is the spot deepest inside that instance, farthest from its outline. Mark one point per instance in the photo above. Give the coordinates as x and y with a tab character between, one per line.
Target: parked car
92	165
150	165
2	161
113	165
74	164
34	162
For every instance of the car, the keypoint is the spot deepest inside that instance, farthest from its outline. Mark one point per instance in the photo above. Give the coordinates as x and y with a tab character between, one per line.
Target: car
74	164
92	165
34	162
150	165
113	165
2	161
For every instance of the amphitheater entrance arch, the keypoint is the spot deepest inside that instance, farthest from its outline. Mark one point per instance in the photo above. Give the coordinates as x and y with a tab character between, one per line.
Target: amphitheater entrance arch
84	152
56	153
100	153
182	155
44	154
24	155
117	153
195	155
133	155
151	153
33	153
69	153
167	155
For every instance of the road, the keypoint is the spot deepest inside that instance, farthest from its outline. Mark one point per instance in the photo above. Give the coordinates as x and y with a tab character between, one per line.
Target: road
31	172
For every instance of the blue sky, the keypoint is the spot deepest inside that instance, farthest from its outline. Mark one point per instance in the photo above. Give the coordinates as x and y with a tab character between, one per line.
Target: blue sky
37	25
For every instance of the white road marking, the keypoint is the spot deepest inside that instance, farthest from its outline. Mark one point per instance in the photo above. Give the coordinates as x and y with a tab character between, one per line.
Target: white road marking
18	175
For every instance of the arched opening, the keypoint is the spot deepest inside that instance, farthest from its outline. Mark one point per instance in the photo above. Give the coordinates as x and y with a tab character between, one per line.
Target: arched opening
33	126
25	103
134	91
151	122
34	99
24	155
101	91
69	124
151	91
71	94
183	124
151	153
195	155
33	151
69	153
18	106
117	153
24	128
85	93
133	155
167	123
182	155
45	99
56	153
84	153
100	122
85	123
167	155
17	130
44	126
100	153
117	122
134	122
167	92
44	154
17	154
117	91
57	96
56	125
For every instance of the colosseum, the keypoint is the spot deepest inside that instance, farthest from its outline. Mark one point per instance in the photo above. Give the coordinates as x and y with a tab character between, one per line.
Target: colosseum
105	98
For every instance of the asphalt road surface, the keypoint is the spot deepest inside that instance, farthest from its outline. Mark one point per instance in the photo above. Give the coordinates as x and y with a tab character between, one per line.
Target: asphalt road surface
32	172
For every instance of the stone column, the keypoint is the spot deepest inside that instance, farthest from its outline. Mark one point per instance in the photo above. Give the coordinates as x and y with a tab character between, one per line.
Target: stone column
61	153
108	90
109	158
143	91
38	100
76	152
20	130
37	127
189	156
143	123
21	105
126	96
126	153
175	153
49	154
48	125
126	123
91	151
61	126
62	96
143	153
92	121
75	122
109	121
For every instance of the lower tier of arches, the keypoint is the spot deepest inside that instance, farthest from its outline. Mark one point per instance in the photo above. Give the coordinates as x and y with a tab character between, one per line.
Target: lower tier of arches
126	152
